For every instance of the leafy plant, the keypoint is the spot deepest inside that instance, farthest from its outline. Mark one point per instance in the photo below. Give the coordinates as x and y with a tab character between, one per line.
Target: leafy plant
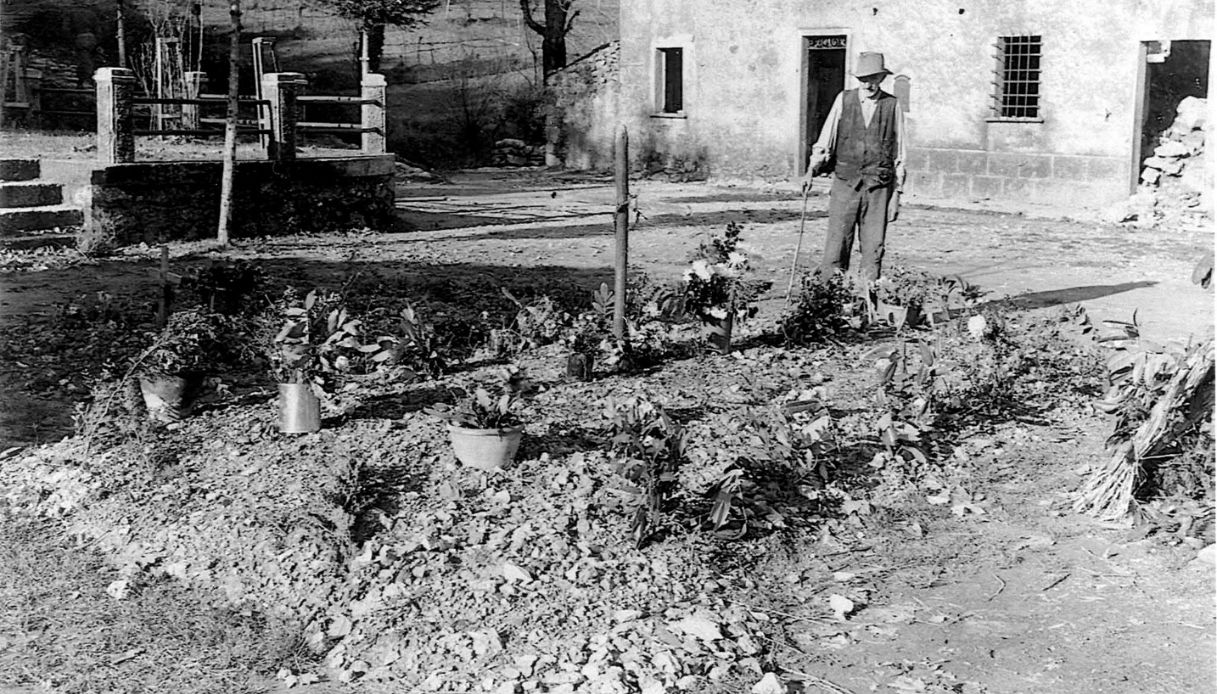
490	406
825	306
537	323
418	346
192	341
318	340
226	288
907	401
588	331
904	287
1008	364
650	447
716	287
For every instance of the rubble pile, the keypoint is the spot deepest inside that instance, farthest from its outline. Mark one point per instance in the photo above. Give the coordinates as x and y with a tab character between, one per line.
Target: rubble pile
1173	179
413	173
512	152
523	586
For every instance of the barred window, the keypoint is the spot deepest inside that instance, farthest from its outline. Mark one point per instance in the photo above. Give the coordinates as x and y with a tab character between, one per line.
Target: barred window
1018	77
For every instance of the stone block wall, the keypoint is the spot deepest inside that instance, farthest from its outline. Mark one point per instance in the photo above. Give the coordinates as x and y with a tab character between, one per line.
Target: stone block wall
152	202
584	108
1036	177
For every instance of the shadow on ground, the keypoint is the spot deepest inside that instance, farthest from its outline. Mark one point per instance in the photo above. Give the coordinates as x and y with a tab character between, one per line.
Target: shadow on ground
427	220
1070	295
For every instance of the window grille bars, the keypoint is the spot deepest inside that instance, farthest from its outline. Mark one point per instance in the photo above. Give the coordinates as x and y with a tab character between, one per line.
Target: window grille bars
1017	94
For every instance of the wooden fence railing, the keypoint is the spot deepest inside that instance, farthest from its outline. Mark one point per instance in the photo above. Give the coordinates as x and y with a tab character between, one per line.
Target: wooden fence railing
276	116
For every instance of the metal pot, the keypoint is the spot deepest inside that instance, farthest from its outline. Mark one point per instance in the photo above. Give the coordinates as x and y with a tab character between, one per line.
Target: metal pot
299	409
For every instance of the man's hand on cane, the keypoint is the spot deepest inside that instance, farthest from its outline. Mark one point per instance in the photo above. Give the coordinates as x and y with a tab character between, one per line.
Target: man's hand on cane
814	167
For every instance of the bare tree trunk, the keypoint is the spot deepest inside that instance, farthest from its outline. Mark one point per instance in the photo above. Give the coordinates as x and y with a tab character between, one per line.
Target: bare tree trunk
122	34
230	124
558	21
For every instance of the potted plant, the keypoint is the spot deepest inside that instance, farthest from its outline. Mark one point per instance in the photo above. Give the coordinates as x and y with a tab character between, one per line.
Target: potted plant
586	335
950	295
715	288
314	344
186	350
483	426
900	296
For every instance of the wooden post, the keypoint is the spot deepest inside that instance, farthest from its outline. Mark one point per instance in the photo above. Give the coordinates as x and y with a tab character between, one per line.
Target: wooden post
194	86
115	134
372	116
162	307
621	223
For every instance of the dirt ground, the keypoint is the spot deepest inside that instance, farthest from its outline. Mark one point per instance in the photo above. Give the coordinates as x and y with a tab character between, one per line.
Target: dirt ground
491	221
1026	598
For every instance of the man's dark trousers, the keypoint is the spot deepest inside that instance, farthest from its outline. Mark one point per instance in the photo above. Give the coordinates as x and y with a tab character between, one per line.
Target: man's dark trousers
851	207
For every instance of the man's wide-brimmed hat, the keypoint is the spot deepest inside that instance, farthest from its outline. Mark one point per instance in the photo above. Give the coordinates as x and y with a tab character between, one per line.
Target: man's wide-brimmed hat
870	64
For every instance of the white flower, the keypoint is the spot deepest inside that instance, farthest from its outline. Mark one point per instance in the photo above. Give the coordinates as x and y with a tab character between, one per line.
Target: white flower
737	259
977	326
718	312
702	270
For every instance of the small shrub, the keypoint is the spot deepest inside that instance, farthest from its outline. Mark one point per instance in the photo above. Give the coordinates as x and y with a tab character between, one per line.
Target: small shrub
650	448
536	323
192	341
417	346
824	307
318	340
909	416
488	406
227	289
716	286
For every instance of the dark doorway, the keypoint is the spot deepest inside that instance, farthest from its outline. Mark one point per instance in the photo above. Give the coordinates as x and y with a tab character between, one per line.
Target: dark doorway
1174	70
825	79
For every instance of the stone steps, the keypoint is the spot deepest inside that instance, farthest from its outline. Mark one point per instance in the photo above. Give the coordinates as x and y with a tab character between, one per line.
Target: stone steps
32	211
30	194
19	169
16	221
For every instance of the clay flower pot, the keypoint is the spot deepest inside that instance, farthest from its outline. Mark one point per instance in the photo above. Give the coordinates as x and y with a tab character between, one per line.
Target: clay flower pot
486	449
579	366
299	409
899	316
719	333
169	398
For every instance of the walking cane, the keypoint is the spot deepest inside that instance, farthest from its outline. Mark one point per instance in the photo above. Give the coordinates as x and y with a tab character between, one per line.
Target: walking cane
794	266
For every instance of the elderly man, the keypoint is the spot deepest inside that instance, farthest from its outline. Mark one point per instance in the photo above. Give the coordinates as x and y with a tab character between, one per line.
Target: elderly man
862	143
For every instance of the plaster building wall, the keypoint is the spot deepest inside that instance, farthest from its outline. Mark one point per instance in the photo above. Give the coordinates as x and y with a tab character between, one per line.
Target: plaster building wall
744	82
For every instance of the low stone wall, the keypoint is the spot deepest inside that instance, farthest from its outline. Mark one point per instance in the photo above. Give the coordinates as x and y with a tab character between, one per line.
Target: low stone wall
153	202
965	174
586	95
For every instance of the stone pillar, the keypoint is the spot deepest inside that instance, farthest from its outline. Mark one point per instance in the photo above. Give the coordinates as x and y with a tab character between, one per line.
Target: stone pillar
195	81
33	95
372	116
115	134
281	89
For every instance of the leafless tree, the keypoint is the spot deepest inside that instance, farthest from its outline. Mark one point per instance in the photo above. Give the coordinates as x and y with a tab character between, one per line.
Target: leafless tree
559	18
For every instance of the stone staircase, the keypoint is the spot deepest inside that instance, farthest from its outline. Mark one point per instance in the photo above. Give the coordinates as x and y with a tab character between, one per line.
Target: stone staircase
32	211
